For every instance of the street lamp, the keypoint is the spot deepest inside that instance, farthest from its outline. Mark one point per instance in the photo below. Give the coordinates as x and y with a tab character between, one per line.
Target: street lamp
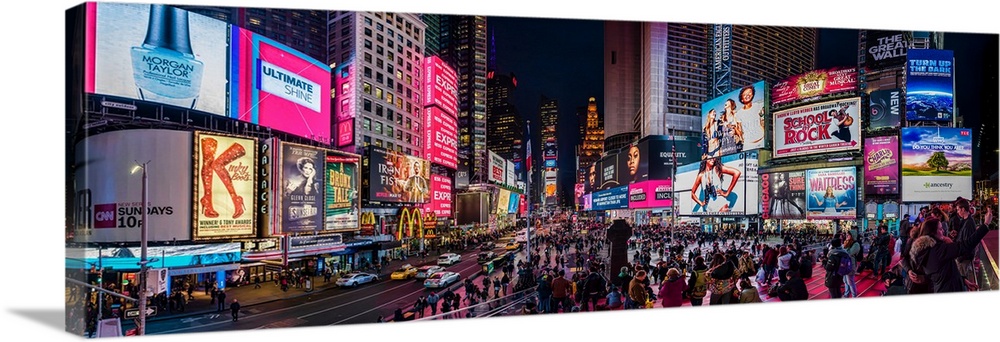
141	329
673	184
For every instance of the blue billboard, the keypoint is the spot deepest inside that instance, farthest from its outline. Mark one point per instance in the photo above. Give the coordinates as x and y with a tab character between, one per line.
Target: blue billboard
930	84
514	203
614	198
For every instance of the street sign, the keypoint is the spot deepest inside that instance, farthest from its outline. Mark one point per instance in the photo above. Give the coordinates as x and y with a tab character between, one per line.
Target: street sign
134	312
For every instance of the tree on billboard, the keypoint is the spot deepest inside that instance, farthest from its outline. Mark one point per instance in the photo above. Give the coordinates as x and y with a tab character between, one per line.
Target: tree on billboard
937	161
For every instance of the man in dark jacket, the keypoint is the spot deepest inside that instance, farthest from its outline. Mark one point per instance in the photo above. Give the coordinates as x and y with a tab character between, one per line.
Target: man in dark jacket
935	256
593	289
794	288
881	250
770	263
963	229
235	309
834	281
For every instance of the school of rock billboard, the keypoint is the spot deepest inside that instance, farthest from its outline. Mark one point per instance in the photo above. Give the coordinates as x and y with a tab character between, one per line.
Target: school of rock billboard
108	199
396	177
343	204
930	85
832	193
936	164
224	186
814	83
881	165
830	126
734	122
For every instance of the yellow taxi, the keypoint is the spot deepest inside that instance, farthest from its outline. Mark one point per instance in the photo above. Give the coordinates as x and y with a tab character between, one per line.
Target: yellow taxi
513	245
404	272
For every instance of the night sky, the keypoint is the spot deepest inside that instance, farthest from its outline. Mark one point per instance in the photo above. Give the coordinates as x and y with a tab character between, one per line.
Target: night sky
562	59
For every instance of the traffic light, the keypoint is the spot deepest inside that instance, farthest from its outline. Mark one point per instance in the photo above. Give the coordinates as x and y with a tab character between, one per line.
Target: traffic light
95	278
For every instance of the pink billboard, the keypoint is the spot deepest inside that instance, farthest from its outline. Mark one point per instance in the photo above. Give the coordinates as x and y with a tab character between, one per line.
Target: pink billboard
441	137
278	87
440	203
814	83
440	85
344	109
650	194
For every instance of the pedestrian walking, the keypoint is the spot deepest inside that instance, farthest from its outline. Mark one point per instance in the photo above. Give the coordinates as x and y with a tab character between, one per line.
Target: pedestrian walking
235	309
222	299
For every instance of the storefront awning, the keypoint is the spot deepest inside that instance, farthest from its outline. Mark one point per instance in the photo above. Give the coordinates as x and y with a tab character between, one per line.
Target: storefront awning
199	270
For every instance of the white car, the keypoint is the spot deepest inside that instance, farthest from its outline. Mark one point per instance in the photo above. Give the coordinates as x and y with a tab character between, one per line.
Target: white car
356	278
449	259
426	271
441	280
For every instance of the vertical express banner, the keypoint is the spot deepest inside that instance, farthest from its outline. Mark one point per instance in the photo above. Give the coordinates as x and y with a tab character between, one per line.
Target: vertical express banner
302	188
882	165
832	193
225	186
342	203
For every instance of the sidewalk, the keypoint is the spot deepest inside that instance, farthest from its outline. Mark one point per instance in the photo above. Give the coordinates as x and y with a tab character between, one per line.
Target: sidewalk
268	292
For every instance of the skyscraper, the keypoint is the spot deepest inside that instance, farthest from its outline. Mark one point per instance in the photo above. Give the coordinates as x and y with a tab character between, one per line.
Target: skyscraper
592	144
302	30
461	42
387	52
506	134
669	66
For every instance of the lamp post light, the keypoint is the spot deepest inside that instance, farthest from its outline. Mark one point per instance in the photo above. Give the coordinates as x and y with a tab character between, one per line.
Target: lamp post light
141	329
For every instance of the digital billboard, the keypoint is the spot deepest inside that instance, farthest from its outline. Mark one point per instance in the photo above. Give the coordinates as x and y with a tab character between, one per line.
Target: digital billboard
303	188
734	122
650	194
831	126
440	137
578	194
278	87
608	175
726	185
832	193
472	207
108	199
440	203
936	163
614	198
881	165
591	180
510	178
343	206
814	83
503	203
884	108
440	85
656	155
930	85
551	178
783	195
884	48
344	108
224	186
396	177
497	173
157	53
588	203
514	203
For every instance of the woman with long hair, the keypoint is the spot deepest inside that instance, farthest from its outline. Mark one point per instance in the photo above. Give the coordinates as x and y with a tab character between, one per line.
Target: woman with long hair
708	185
711	134
720	280
933	254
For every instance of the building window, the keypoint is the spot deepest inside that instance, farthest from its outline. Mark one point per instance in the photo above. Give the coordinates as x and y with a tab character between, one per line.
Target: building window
367	88
368	57
379	38
367	140
389	131
399	148
391	44
345	43
368	44
409	138
399	120
389	145
378	127
399	134
388	96
379	50
409	123
378	77
391	56
378	108
367	124
368	20
368	105
378	142
368	72
399	74
379	27
378	63
368	32
416	140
